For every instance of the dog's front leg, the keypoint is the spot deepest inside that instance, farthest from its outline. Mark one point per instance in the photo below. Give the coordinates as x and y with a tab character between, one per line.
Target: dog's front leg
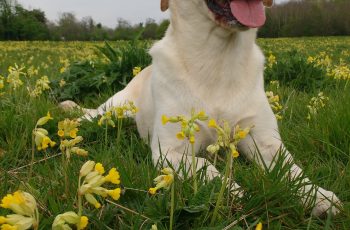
264	145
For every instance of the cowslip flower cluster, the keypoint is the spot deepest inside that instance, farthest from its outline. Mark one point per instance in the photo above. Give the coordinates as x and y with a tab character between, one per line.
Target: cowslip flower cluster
2	84
126	110
26	212
65	66
136	70
62	221
41	138
271	61
94	179
321	61
226	138
107	119
274	101
315	104
339	72
69	129
275	84
188	126
62	83
119	112
41	85
32	71
14	77
163	181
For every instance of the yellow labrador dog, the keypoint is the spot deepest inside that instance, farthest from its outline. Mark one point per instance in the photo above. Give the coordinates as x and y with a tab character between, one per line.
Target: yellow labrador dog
208	60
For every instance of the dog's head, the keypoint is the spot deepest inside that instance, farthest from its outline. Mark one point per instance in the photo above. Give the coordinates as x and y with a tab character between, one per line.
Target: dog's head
230	14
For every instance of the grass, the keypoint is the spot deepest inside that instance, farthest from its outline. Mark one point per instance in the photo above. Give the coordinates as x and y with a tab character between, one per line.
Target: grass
320	145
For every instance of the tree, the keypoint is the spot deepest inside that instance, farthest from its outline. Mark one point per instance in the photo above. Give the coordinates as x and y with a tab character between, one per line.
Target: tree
17	23
150	30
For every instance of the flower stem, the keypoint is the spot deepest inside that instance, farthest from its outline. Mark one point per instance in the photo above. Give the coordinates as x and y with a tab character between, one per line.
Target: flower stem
65	168
80	203
119	128
172	206
32	160
106	135
215	159
222	189
194	170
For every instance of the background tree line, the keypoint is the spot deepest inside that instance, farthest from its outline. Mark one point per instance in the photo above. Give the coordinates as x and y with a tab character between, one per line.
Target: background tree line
308	18
295	18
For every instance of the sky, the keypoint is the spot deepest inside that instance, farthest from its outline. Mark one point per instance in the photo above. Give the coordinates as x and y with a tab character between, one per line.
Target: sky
106	12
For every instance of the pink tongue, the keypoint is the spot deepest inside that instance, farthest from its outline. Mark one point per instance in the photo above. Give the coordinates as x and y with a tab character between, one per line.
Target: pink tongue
250	13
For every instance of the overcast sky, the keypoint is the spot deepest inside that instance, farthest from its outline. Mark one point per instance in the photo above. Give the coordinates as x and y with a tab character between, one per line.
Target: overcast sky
104	11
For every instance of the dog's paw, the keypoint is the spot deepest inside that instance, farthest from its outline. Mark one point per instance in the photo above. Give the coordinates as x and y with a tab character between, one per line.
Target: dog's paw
236	190
68	105
326	202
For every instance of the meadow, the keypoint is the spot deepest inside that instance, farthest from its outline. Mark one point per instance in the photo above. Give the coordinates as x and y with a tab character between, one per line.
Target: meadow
308	85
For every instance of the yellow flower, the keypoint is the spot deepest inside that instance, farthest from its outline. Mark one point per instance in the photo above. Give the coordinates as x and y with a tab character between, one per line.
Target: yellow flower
44	120
192	139
212	123
188	126
13	78
152	191
136	71
73	133
106	119
83	222
43	83
68	128
87	168
115	194
62	221
62	83
235	154
226	139
24	206
62	70
113	176
92	200
60	133
271	61
180	135
242	134
99	168
79	151
163	181
213	148
2	220
42	141
274	103
165	119
1	83
93	182
8	227
259	226
316	104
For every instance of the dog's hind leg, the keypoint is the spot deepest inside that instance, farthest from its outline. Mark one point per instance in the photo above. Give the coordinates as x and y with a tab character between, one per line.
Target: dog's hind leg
130	93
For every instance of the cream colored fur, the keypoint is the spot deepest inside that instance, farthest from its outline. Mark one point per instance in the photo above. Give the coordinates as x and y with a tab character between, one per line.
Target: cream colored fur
204	66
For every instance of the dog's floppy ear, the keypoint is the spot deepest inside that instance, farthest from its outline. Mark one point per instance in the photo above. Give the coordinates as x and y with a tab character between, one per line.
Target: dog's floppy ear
268	3
164	5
